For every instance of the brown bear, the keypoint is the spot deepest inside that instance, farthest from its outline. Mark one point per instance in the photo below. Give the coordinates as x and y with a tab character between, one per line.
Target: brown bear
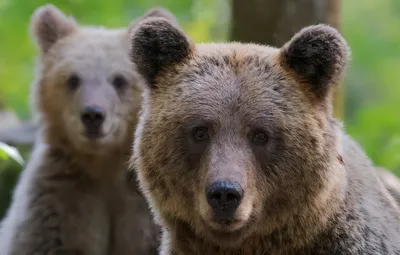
238	153
75	195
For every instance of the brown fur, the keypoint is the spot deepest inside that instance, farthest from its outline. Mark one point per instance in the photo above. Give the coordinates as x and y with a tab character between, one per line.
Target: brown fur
308	188
75	195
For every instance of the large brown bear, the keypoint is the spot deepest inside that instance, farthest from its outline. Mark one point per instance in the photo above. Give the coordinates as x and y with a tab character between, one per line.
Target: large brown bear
75	195
238	153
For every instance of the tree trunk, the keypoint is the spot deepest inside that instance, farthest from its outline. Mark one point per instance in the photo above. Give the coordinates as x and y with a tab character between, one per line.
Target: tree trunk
274	22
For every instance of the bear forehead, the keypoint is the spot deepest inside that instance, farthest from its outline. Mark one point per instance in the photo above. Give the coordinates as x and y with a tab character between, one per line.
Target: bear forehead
93	42
226	66
91	51
237	73
231	79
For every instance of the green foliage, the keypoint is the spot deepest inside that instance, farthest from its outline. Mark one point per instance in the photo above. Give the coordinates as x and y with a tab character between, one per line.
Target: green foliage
9	173
10	169
9	152
372	87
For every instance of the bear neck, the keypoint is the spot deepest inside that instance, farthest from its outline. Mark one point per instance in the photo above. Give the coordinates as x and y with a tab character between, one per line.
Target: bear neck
109	163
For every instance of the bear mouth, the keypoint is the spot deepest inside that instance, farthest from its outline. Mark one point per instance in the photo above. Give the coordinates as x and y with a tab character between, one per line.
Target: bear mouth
221	227
94	135
228	226
227	234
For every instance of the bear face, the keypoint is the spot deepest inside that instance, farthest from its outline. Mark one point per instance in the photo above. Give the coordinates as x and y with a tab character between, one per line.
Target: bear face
86	93
238	140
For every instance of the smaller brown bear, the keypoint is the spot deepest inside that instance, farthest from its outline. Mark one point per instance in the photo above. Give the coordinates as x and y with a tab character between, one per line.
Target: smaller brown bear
238	152
75	195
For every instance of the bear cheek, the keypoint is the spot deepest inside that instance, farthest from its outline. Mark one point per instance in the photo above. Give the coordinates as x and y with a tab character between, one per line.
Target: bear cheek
157	162
52	100
128	116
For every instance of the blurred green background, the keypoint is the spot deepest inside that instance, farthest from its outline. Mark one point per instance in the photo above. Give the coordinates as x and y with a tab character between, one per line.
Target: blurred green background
372	84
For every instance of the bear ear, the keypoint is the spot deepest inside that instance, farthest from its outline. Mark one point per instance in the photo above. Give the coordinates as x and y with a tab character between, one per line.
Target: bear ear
156	45
49	24
317	55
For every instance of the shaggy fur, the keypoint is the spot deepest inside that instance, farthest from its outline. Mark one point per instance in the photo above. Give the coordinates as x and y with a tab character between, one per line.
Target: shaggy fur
265	121
75	195
391	182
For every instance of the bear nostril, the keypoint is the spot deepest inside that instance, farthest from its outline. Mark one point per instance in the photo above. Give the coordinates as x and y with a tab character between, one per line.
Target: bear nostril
231	197
92	117
224	198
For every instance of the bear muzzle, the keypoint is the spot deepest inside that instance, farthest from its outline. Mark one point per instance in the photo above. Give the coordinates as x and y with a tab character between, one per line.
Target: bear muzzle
93	118
224	197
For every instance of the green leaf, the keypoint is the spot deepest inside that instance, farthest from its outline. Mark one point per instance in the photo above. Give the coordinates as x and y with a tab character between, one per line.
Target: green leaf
7	151
3	155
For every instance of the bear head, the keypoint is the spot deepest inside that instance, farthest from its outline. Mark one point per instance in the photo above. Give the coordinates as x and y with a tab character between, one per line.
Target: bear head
238	140
86	94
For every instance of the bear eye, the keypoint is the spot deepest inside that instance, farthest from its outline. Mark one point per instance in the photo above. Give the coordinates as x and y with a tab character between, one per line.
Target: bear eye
259	137
73	81
119	82
200	134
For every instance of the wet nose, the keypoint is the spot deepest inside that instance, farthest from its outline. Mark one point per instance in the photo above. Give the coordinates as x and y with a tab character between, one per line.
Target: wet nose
92	117
224	198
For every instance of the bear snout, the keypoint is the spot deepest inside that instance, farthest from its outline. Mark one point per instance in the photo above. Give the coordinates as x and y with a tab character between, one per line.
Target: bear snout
93	118
224	197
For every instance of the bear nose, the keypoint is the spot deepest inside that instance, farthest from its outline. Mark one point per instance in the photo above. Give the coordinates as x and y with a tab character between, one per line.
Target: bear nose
92	117
224	198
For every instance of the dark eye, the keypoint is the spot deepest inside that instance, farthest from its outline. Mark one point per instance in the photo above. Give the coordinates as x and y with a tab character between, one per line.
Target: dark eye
200	134
73	81
119	82
259	137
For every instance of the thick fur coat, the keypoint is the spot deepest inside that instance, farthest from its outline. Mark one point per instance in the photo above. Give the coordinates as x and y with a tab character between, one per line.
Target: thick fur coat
259	120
